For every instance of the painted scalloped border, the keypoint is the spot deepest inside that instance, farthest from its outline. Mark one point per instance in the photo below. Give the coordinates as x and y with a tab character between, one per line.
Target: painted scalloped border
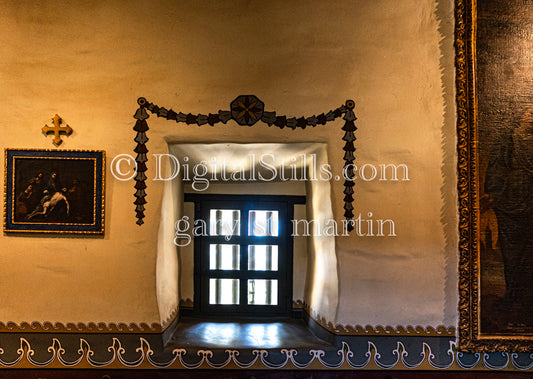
171	317
71	327
378	330
376	357
338	329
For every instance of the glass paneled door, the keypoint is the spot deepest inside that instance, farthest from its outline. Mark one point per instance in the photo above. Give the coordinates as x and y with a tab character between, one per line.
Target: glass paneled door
243	258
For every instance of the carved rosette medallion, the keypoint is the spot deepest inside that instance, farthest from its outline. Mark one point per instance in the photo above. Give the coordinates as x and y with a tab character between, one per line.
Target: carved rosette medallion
247	109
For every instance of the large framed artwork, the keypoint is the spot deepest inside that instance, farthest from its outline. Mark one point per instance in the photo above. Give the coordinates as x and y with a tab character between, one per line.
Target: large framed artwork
494	62
54	191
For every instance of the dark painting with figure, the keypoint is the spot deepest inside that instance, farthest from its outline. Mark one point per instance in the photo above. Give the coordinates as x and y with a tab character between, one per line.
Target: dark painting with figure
505	133
54	191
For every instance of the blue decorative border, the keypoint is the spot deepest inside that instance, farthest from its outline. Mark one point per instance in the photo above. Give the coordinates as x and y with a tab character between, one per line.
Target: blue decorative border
147	352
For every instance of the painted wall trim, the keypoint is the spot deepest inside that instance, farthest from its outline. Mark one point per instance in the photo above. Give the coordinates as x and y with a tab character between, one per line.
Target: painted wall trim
145	351
80	327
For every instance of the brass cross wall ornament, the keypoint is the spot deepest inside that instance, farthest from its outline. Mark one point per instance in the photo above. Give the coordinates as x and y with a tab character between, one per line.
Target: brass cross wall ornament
57	129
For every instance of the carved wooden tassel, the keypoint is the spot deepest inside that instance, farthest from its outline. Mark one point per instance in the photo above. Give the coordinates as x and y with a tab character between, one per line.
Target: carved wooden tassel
349	157
140	127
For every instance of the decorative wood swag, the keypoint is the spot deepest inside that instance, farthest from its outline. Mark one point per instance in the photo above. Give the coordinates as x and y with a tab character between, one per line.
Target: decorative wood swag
245	110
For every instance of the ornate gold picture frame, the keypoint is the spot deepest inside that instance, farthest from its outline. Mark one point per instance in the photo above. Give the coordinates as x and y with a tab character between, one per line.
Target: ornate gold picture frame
54	191
494	81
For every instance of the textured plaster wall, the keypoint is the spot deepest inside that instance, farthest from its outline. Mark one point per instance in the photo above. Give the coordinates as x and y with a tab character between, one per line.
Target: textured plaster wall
89	61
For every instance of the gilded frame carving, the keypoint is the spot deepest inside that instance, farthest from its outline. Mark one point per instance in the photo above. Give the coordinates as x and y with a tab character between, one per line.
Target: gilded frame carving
54	191
472	335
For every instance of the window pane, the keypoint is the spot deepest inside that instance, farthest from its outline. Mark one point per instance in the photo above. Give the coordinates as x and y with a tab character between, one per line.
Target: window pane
263	257
223	257
224	222
262	292
223	291
263	223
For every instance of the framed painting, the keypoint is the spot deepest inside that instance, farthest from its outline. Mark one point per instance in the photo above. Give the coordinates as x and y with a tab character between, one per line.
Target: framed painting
494	68
54	191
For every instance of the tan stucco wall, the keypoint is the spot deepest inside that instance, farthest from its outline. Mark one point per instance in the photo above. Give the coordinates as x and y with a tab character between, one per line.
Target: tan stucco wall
89	61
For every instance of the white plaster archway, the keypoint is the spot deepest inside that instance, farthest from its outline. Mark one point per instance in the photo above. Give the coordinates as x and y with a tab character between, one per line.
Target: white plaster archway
321	277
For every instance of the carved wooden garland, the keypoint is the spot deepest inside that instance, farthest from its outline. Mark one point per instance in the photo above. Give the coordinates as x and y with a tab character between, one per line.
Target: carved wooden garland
245	110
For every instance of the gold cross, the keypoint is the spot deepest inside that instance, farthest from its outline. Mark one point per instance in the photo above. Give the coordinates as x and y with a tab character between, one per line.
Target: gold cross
56	129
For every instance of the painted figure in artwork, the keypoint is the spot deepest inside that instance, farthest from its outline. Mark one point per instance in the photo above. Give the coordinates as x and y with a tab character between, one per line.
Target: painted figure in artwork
45	199
53	204
23	201
509	192
53	183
